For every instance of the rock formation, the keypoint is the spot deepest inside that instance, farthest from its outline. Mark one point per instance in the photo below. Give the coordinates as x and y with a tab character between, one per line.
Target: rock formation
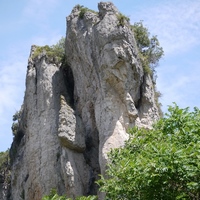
74	113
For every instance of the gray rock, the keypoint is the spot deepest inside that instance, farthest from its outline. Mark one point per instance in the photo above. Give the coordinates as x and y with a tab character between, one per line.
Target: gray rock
109	76
73	116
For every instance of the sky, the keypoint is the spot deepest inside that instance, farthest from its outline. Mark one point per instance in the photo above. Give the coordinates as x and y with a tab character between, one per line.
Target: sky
26	22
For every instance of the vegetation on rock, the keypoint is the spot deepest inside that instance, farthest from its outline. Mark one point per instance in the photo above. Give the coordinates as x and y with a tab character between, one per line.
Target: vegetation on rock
5	172
4	159
83	10
154	164
15	125
122	19
56	51
17	133
150	51
162	163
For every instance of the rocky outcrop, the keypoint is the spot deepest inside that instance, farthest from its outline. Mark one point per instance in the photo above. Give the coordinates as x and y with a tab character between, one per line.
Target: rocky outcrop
48	155
74	113
109	80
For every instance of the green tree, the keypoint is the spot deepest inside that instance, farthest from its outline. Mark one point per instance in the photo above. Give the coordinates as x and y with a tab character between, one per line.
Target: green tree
149	47
159	164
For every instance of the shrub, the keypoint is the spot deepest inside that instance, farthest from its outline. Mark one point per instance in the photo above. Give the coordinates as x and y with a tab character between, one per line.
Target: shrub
16	120
5	177
160	164
122	19
54	196
83	10
149	48
56	51
4	159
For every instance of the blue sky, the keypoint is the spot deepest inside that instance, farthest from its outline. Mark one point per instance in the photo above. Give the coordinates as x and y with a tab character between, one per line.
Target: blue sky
27	22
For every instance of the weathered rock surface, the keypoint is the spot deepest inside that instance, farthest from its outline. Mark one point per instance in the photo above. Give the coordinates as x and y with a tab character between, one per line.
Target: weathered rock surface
108	78
73	115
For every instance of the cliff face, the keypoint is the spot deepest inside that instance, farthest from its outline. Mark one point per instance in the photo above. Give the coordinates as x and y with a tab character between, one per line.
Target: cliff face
111	88
73	114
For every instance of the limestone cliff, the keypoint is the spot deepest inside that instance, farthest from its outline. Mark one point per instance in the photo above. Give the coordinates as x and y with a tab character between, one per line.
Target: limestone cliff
74	113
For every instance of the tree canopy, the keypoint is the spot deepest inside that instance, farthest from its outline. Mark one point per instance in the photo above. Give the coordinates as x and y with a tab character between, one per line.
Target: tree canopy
149	47
159	164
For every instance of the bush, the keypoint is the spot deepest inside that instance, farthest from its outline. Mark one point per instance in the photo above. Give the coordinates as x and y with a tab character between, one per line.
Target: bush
4	160
56	51
149	48
16	120
83	10
122	19
159	164
54	196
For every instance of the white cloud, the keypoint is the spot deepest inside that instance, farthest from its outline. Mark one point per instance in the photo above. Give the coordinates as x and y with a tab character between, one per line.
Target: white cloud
177	24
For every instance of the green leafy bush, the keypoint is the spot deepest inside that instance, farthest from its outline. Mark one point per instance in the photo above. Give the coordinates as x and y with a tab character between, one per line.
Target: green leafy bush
87	198
5	168
4	159
15	125
159	164
54	196
122	19
149	48
83	10
56	51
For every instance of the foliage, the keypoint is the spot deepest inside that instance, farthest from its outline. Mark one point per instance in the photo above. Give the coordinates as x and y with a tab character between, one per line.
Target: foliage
160	164
149	48
5	168
87	198
4	159
83	10
122	19
54	196
150	53
15	125
56	51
